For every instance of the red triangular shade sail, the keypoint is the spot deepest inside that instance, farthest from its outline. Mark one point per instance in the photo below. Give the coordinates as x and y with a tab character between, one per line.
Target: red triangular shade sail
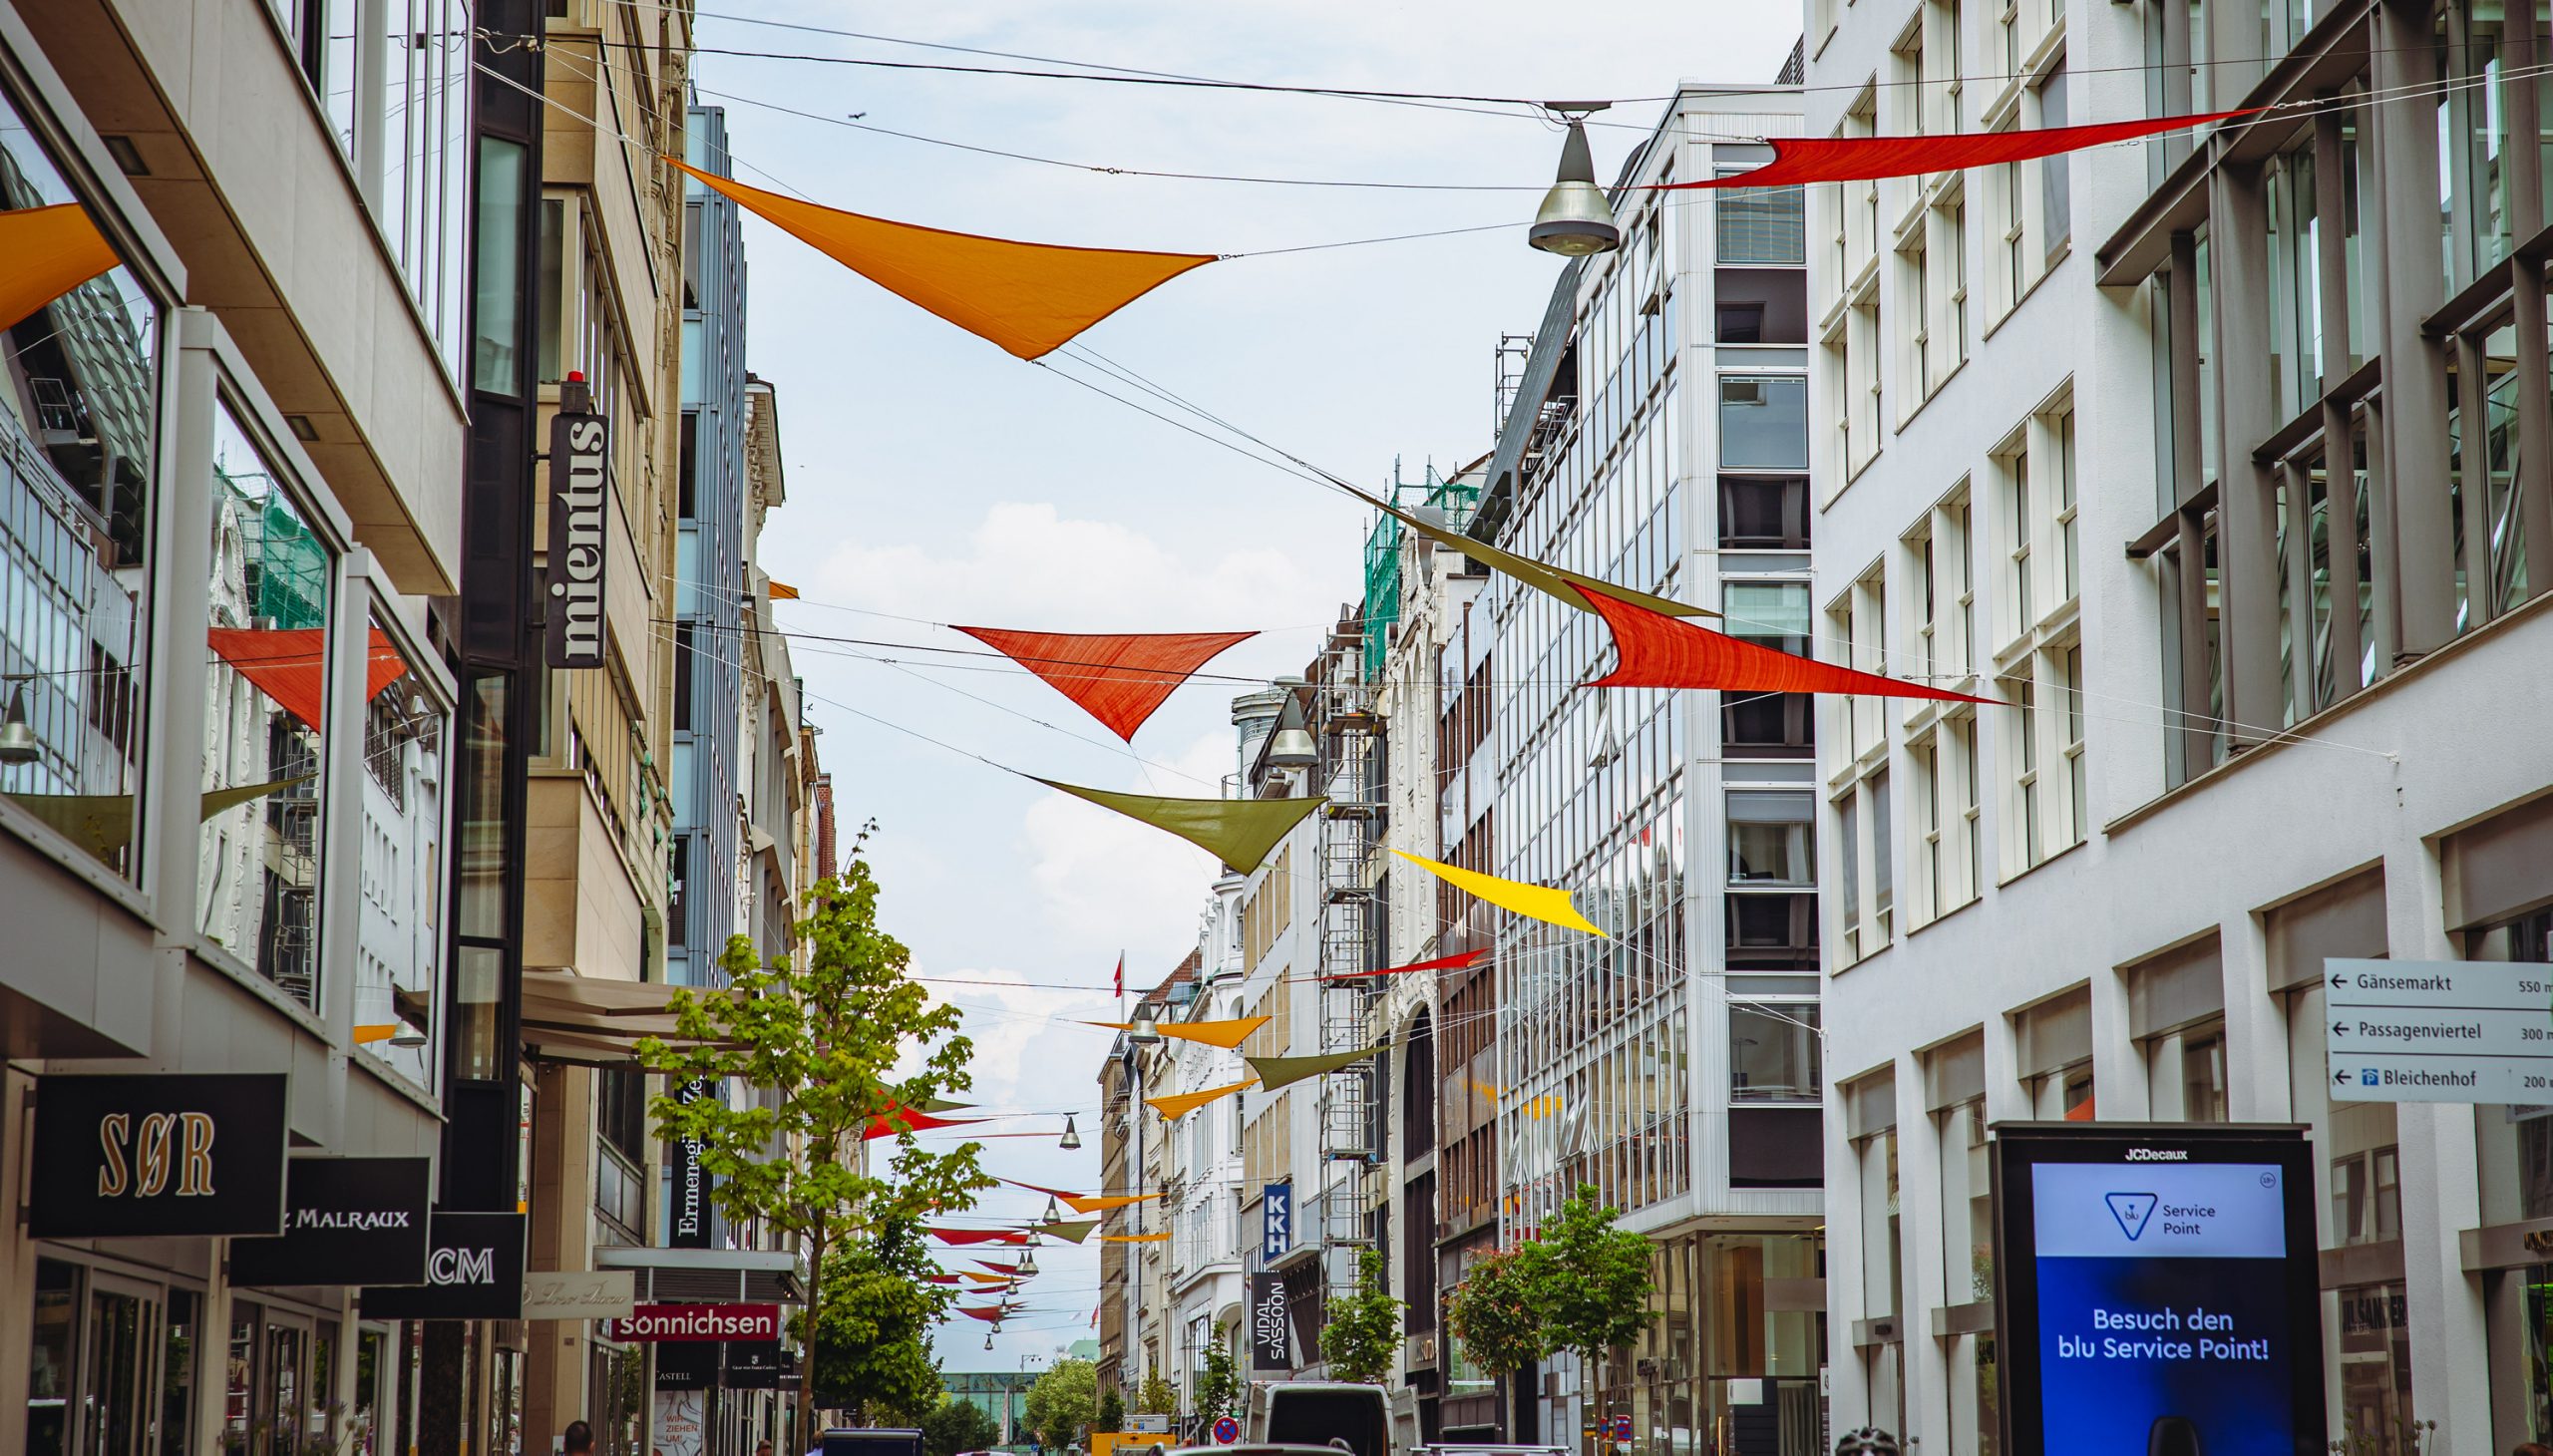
939	1278
1654	650
990	1316
999	1269
1117	677
979	1235
907	1120
49	251
1028	297
1799	159
289	665
1443	962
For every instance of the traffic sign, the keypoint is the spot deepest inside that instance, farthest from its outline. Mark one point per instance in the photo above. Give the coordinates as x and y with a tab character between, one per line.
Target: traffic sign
2439	1030
1226	1430
1622	1428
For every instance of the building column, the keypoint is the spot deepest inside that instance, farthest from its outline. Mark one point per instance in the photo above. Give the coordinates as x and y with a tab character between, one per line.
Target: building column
2246	413
2413	288
1922	1281
2256	1060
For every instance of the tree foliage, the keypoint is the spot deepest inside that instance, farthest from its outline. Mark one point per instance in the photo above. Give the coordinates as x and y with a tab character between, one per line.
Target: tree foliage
1155	1396
1589	1280
1219	1383
959	1425
826	1033
1493	1313
1111	1414
1063	1401
871	1345
1362	1334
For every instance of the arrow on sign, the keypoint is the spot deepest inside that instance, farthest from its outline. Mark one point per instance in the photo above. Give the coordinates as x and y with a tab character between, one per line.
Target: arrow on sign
2340	984
2339	1079
2340	1029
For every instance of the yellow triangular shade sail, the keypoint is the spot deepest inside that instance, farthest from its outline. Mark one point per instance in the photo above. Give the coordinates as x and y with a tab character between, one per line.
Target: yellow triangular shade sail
1133	1238
1073	1233
102	823
1028	297
49	251
1176	1105
1534	901
781	591
1224	1034
1541	575
1275	1072
1238	832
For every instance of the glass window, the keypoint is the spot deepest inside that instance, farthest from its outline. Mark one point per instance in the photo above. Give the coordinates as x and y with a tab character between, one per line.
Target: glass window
79	439
1773	1053
265	691
49	1352
1771	839
496	354
1763	226
1762	306
1763	512
400	941
420	199
1764	421
480	897
2056	187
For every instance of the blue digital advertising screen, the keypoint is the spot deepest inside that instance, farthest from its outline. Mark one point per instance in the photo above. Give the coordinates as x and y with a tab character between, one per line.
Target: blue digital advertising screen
2157	1291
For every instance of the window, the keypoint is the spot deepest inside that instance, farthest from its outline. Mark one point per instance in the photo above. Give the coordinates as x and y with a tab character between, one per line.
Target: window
2020	610
1883	860
1763	512
1771	838
273	594
1773	1053
2063	430
497	353
399	960
1762	306
2070	684
2055	190
1767	725
1760	226
2023	846
1848	897
1916	356
1764	421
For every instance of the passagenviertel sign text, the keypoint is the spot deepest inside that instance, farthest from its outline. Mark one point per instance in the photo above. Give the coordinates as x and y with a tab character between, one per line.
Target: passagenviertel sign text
152	1155
579	503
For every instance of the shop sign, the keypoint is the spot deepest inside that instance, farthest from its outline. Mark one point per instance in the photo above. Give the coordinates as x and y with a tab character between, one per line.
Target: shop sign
2160	1280
152	1155
690	1181
1270	1347
1275	1221
585	1293
474	1270
579	499
685	1365
760	1365
346	1221
661	1324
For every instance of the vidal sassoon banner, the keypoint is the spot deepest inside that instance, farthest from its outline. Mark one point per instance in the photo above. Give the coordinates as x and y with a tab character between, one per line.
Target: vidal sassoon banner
2157	1291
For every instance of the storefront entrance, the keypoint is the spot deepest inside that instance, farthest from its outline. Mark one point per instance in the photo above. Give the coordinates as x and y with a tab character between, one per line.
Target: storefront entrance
112	1366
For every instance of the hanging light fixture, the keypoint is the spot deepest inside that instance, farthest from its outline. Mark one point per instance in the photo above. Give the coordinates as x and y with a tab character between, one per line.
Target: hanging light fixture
988	1339
1029	1261
1144	1030
18	741
1575	221
1069	1142
1292	745
1055	1214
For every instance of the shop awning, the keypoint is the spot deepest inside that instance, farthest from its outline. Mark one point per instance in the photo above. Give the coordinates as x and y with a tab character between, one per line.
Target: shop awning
569	1017
708	1275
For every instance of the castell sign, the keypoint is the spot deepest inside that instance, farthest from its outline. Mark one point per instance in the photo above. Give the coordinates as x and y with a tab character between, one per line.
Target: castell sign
579	503
158	1155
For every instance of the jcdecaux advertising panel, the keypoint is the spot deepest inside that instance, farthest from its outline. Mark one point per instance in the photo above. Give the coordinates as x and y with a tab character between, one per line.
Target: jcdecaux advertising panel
2156	1290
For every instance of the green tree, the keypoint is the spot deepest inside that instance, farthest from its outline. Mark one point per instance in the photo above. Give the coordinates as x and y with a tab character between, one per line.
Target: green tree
1493	1313
1155	1396
959	1425
1219	1383
1362	1334
872	1345
828	1036
1061	1405
1111	1415
1589	1280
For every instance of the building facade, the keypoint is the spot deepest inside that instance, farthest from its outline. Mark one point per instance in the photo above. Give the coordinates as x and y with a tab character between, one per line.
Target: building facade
2097	483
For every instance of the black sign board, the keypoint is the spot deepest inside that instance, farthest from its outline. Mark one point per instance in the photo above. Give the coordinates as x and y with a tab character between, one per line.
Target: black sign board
690	1181
1271	1330
181	1154
2158	1281
760	1365
346	1221
580	501
474	1270
687	1364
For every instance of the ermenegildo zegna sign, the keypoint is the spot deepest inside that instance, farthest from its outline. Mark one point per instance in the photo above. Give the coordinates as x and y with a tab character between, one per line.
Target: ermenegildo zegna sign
579	498
474	1270
346	1221
159	1155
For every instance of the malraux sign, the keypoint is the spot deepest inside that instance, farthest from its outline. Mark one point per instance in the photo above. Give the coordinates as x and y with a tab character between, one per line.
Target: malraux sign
347	1221
579	503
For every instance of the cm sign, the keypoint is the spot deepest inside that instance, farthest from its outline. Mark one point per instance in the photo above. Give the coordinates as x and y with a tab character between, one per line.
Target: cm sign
474	1270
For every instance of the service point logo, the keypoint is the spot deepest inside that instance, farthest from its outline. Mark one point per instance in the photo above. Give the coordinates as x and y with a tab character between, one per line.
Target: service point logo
2133	1211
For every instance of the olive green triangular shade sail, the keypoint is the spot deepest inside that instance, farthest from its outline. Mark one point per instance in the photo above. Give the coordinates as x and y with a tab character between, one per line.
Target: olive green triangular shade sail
1541	575
1275	1072
1238	832
102	823
1071	1233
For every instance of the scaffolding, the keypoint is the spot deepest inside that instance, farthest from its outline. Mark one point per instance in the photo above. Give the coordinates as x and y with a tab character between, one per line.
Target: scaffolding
1352	825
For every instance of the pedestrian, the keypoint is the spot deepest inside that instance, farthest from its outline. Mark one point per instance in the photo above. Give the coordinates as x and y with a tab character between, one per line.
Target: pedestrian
762	1448
579	1440
2530	1448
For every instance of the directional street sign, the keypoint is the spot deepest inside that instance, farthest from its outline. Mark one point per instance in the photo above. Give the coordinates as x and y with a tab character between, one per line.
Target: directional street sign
2440	1031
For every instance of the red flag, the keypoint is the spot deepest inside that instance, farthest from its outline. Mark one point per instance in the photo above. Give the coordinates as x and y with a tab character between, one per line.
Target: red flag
1121	973
1652	650
1799	159
1462	962
1117	677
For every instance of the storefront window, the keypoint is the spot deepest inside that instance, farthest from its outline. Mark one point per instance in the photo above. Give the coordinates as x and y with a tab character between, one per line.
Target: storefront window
479	896
49	1363
400	950
2375	1371
265	692
79	438
177	1363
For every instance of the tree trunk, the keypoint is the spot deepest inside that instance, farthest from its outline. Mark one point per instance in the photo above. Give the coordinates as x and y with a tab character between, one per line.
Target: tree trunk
807	1346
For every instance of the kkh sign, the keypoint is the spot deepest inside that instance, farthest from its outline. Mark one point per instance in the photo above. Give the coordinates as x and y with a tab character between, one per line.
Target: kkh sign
650	1323
347	1221
579	503
474	1270
151	1155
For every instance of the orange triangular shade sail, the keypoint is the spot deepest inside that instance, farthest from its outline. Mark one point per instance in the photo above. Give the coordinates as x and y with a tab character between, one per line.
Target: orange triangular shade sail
1117	677
1655	651
1799	159
1224	1034
780	592
1555	581
1028	297
1238	832
910	1120
1534	901
49	251
1133	1238
1177	1105
289	665
1462	962
977	1236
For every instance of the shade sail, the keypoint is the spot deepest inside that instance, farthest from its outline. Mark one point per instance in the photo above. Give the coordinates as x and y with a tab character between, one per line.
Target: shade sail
1799	159
1028	297
1224	1034
1000	1271
102	823
1117	677
1071	1233
49	251
290	666
943	1278
986	1278
1275	1072
1541	575
780	592
1133	1238
1082	1203
977	1236
1534	901
1462	962
1238	832
1176	1105
910	1120
990	1315
1657	651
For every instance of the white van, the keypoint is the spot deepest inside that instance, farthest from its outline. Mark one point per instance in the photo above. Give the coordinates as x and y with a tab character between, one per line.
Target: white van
1369	1420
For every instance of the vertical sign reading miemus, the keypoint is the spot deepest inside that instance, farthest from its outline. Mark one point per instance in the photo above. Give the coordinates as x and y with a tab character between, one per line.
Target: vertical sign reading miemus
580	497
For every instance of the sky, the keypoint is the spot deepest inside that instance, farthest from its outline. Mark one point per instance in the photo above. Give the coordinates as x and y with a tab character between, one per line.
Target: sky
934	479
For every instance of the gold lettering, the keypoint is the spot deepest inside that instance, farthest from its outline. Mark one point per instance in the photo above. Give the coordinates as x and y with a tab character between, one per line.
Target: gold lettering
196	1179
113	1129
154	1154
